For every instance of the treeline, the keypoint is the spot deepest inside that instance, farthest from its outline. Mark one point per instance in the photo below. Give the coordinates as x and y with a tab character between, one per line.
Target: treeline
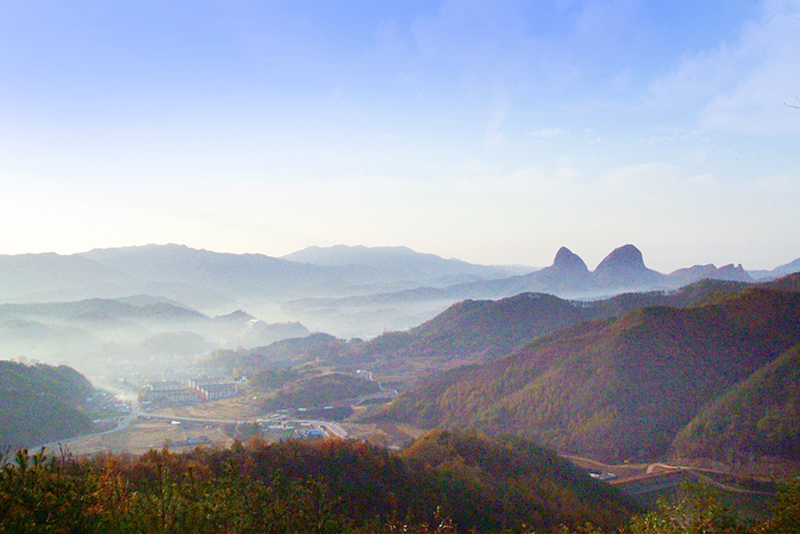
444	482
41	403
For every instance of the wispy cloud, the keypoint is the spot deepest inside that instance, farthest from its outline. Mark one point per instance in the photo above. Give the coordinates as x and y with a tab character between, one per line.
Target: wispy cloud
499	109
510	51
742	86
547	133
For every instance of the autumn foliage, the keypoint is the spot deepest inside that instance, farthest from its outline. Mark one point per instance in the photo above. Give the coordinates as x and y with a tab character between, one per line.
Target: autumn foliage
443	483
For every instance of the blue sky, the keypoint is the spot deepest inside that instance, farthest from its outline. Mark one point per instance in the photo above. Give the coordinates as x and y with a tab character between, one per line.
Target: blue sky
494	132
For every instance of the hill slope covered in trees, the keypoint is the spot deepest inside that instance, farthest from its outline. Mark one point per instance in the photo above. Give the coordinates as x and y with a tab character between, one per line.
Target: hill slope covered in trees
615	388
39	403
759	417
487	329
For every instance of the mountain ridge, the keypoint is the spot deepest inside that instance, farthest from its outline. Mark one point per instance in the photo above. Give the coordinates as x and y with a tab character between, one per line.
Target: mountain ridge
622	271
367	290
614	388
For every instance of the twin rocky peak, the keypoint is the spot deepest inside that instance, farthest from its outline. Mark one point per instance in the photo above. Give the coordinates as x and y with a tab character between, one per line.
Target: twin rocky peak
624	268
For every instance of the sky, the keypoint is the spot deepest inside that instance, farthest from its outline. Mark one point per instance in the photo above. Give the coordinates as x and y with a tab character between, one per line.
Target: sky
491	131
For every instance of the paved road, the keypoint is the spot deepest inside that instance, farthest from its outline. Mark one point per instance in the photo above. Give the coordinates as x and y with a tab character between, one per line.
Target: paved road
122	424
328	427
380	394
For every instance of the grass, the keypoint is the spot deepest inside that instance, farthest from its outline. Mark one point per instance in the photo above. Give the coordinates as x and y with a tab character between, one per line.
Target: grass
239	408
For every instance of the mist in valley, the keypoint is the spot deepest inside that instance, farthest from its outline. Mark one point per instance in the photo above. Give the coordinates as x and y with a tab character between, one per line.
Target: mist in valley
534	262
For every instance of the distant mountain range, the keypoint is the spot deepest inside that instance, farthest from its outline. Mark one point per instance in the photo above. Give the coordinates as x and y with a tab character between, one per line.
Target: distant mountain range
203	279
695	364
344	290
623	270
402	263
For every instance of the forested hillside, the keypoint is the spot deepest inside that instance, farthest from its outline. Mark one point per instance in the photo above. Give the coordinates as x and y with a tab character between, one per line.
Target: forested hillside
39	403
615	388
759	417
282	354
486	329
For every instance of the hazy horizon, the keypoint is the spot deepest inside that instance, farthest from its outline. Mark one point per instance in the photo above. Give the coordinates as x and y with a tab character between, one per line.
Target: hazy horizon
590	264
494	133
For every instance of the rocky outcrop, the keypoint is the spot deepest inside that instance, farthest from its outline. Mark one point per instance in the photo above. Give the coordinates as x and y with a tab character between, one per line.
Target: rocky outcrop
624	268
568	274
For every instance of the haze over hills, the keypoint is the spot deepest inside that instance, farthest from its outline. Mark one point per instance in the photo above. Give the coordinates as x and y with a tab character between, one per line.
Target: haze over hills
666	373
618	146
35	277
347	291
313	271
404	264
136	325
777	272
466	333
702	373
485	329
234	275
85	333
623	270
474	330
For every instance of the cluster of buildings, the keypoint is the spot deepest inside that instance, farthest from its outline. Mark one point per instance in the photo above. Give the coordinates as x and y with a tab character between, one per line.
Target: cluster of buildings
191	392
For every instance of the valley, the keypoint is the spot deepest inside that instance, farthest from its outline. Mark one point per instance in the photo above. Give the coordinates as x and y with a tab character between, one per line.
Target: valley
643	390
429	267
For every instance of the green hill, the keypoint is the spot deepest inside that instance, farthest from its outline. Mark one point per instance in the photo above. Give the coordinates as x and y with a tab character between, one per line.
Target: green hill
39	404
